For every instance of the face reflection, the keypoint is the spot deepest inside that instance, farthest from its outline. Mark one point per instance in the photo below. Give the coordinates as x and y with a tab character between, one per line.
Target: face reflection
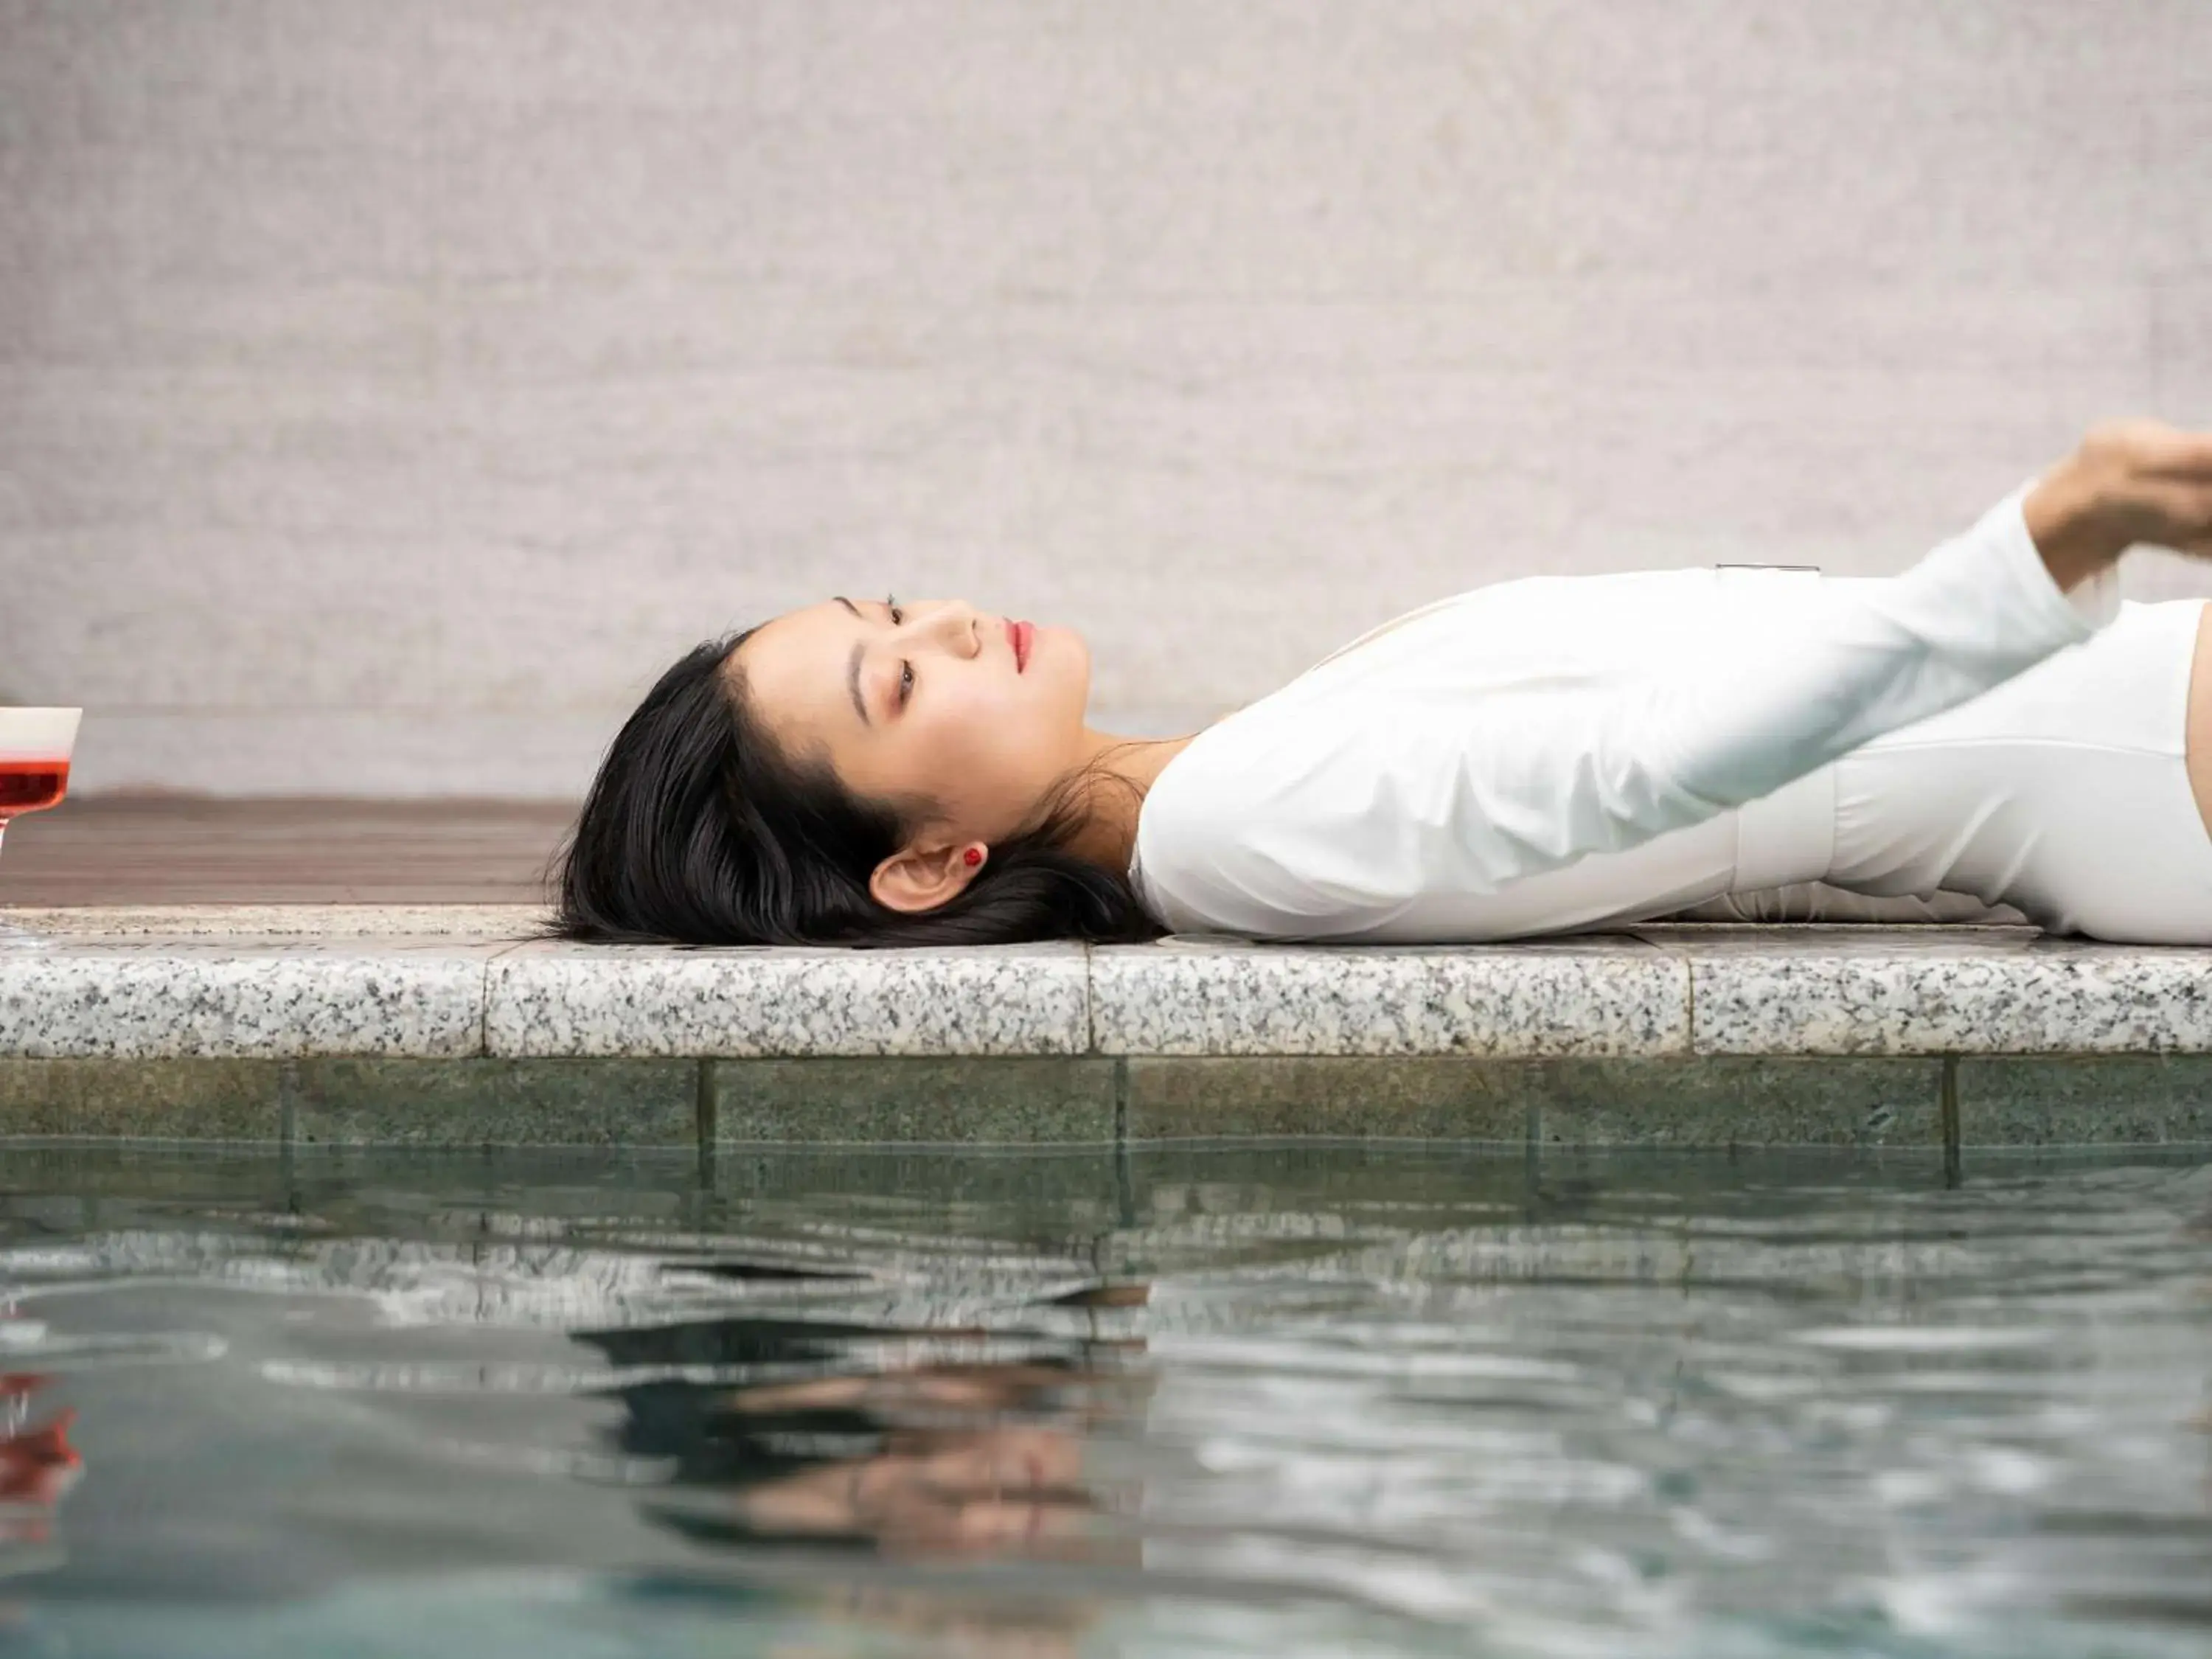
985	1458
924	699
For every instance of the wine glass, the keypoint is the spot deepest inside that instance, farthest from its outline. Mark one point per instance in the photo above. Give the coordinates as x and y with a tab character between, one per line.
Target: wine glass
35	744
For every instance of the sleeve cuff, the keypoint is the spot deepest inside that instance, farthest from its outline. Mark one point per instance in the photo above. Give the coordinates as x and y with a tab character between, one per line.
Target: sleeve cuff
2074	614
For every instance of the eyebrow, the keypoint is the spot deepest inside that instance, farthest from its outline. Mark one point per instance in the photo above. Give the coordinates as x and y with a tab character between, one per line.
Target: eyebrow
852	668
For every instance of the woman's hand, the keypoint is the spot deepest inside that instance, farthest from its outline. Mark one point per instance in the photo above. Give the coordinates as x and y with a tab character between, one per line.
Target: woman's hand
2130	482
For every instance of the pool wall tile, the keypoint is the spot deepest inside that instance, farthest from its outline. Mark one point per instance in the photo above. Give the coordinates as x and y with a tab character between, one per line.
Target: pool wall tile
1195	997
551	1000
1742	1101
1866	990
1746	1101
1447	1095
487	1102
166	998
918	1098
1670	1101
162	1099
2100	1100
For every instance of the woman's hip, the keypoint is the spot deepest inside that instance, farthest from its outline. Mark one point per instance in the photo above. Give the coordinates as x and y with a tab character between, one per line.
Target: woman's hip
2063	793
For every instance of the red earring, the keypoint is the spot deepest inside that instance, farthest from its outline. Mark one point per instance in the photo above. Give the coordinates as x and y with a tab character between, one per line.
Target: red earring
974	855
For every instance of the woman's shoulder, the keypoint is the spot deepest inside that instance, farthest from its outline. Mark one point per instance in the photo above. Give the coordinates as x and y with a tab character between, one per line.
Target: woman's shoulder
1567	604
1205	853
1318	749
1511	631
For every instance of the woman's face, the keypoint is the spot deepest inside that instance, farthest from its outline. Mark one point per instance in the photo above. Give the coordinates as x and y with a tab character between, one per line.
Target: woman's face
925	700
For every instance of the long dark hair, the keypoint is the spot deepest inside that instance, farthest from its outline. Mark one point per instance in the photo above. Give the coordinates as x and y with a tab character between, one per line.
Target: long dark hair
697	831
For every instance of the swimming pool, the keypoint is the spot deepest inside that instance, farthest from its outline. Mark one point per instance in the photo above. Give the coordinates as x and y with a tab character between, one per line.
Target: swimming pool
1172	1400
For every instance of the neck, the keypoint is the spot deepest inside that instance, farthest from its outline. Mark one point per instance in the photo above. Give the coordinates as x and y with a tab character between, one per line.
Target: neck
1109	833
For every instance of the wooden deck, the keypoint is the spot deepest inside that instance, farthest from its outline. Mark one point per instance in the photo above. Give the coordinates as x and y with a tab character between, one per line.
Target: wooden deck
181	850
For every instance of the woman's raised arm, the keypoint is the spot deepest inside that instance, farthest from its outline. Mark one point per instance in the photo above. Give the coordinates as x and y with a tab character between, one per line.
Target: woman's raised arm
2130	482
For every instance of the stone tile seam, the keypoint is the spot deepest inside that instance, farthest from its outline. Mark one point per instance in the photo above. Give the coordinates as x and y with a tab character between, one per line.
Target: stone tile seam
1947	1119
707	1105
1688	969
1089	999
484	998
1686	965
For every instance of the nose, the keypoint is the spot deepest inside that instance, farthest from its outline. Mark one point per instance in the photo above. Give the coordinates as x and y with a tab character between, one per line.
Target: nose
959	625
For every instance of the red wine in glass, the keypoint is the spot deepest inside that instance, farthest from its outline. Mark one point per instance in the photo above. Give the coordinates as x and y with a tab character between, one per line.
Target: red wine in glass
35	746
31	786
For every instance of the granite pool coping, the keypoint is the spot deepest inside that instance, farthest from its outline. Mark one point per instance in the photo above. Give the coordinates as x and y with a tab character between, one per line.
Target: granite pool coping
445	983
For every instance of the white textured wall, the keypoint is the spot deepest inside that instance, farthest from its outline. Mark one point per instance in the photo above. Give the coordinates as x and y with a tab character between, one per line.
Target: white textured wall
389	388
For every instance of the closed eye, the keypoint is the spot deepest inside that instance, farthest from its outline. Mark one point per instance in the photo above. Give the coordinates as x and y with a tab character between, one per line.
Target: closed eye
906	666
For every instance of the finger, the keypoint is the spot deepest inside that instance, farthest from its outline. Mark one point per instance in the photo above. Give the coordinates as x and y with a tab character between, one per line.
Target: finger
2173	514
2172	453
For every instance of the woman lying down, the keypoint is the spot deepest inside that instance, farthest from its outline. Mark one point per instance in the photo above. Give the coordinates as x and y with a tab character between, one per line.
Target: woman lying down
1991	730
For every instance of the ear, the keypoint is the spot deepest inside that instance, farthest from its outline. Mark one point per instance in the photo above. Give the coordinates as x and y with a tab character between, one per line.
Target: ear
917	878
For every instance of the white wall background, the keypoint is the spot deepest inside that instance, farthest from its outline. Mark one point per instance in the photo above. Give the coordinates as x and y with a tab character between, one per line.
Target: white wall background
390	388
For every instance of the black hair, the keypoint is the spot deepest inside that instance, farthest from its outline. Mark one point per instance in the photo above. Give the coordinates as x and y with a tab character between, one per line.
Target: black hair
699	830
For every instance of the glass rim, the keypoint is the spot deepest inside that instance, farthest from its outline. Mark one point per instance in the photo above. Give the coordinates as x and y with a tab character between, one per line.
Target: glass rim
39	734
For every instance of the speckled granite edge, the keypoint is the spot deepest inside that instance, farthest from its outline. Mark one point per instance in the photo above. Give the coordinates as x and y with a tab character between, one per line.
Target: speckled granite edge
1602	997
168	999
238	984
549	999
1865	991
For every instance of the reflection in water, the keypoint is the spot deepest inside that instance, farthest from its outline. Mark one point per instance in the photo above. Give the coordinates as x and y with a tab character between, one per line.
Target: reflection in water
937	1457
886	1440
1225	1401
38	1466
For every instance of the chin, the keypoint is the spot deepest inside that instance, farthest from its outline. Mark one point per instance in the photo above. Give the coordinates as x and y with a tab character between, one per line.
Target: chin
1064	641
1065	655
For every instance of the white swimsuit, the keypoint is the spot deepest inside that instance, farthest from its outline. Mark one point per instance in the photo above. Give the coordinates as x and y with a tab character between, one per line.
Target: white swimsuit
1963	741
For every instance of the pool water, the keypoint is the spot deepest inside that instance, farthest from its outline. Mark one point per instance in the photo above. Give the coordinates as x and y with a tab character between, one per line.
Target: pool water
1189	1400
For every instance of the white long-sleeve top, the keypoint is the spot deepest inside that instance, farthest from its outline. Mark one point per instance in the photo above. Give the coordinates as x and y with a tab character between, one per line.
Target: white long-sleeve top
1560	752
